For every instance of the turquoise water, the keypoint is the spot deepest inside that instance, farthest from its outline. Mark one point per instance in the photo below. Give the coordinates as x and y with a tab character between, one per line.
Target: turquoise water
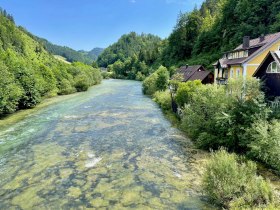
108	148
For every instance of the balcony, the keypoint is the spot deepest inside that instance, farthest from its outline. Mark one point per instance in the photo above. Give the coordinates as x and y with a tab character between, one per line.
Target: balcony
222	81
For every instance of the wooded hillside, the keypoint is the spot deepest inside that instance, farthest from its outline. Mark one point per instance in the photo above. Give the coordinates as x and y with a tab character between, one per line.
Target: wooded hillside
30	73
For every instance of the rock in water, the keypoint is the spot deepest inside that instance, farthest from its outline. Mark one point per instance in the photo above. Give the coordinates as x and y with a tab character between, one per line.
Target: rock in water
93	162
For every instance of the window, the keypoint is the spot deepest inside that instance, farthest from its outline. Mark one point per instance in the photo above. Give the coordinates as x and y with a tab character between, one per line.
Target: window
273	68
231	73
238	73
246	53
226	73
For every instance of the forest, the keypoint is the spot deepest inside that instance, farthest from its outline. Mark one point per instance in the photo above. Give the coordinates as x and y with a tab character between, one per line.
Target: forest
199	37
29	73
71	55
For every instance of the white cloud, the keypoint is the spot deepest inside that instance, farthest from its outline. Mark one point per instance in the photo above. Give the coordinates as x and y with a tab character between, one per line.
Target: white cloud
132	1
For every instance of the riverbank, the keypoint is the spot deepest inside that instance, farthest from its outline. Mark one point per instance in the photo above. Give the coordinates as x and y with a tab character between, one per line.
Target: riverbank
202	157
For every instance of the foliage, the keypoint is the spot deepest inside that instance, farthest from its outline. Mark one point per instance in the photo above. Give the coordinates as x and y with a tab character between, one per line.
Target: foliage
70	54
158	81
10	91
203	114
149	85
219	116
185	91
163	98
132	55
231	182
201	36
265	142
163	77
29	73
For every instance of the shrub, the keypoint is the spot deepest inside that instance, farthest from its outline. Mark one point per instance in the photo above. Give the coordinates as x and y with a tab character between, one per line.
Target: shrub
231	182
158	81
140	76
265	142
82	83
201	116
185	92
65	87
10	92
149	85
163	98
162	79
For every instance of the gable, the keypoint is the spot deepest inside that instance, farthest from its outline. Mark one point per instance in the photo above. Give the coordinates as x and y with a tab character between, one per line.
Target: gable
261	54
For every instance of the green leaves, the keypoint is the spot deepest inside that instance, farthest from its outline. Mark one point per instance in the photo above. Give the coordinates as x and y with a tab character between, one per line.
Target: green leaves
10	91
232	182
158	81
28	73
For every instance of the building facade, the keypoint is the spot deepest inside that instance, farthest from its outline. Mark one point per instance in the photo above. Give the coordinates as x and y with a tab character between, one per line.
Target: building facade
246	58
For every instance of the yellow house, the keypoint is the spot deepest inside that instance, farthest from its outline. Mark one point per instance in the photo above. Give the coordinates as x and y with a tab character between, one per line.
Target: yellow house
246	58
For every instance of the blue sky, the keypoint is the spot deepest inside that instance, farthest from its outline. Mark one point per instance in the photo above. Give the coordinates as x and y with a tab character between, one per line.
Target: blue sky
85	24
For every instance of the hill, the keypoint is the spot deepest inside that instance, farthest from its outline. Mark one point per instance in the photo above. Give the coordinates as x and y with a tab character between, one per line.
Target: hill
30	73
93	54
70	54
131	55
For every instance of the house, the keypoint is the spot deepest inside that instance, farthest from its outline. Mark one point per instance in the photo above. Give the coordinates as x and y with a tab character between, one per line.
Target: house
269	72
245	59
198	72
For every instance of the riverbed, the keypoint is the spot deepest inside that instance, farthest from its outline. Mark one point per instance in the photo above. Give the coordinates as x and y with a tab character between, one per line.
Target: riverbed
108	148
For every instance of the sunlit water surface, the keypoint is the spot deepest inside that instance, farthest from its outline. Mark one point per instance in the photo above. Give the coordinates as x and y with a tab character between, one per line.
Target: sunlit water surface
110	148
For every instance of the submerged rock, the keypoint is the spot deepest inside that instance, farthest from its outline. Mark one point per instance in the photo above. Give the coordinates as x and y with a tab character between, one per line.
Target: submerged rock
92	163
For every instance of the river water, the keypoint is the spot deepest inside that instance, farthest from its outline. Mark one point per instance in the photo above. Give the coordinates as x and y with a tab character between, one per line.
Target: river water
107	148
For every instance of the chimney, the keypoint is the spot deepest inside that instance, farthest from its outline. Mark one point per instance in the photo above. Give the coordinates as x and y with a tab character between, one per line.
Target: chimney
246	42
262	38
187	65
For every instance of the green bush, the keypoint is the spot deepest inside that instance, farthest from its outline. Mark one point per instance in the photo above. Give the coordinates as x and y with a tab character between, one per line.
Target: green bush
185	91
158	81
162	79
163	98
265	142
231	182
82	83
201	117
220	115
10	91
149	85
65	87
140	76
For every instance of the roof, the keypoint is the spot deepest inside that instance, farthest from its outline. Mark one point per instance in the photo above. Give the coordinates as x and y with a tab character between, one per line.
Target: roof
276	57
191	73
256	42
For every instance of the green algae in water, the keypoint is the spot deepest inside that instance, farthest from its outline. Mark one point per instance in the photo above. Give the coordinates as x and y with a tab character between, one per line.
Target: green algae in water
110	147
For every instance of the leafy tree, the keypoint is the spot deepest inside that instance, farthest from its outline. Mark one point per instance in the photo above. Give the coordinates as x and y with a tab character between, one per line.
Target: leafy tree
10	92
162	78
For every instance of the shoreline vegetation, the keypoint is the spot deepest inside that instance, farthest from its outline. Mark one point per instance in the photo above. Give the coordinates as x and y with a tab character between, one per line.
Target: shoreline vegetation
213	118
29	73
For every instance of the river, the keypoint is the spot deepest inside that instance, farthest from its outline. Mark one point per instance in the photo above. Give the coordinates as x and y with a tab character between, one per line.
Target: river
108	148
